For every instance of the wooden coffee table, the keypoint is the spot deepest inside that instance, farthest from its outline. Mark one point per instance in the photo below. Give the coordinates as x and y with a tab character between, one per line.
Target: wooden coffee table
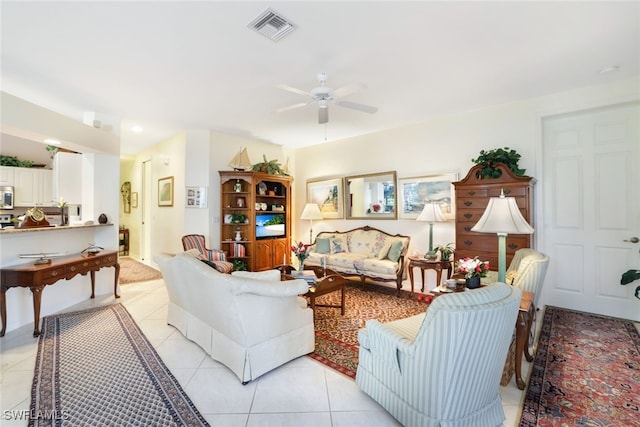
326	285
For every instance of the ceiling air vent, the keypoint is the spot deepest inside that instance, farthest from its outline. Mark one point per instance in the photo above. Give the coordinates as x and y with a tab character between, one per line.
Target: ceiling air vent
271	25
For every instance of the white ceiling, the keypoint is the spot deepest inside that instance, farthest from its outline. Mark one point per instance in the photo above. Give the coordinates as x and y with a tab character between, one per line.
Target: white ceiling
170	66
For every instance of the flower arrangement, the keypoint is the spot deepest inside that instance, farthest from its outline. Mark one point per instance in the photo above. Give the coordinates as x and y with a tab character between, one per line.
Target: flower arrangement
301	252
445	251
472	267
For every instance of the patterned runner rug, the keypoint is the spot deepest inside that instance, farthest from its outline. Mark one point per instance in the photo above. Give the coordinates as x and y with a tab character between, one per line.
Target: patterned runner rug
132	271
95	367
586	372
337	336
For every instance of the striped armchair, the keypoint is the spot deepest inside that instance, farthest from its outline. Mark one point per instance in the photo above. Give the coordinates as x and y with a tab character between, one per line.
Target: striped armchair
443	367
214	257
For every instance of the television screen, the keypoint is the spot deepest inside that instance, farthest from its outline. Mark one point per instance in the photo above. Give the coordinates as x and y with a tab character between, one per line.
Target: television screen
269	225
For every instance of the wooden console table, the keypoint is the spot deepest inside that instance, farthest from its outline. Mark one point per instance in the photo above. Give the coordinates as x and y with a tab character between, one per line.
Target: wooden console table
36	277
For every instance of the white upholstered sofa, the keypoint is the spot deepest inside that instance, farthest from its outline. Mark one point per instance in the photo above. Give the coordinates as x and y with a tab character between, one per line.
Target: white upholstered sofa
443	367
363	252
250	322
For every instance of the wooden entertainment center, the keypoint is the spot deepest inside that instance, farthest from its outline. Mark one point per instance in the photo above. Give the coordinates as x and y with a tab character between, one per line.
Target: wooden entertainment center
249	201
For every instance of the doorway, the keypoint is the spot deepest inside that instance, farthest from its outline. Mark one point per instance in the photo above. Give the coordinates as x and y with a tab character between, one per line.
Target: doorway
591	164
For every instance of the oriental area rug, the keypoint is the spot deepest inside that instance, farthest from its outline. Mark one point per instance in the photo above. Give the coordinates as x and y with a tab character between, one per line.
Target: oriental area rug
586	372
337	336
96	367
132	271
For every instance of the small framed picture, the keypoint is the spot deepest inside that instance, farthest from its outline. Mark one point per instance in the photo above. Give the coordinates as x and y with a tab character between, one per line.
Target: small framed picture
165	191
241	202
134	199
196	197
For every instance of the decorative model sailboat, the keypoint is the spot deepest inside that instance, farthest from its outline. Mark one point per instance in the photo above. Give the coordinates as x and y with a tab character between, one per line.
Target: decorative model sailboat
241	161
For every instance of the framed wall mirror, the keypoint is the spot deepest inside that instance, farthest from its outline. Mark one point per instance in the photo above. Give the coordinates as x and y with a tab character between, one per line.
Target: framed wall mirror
371	196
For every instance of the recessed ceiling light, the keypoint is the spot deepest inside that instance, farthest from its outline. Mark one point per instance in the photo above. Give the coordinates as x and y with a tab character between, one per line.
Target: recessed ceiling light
136	129
610	69
52	141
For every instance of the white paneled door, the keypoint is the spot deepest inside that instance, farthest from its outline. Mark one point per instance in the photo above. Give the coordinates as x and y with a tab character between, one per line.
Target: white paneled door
591	201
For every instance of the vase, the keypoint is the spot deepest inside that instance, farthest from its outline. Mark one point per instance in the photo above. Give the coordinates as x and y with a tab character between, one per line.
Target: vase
473	282
301	263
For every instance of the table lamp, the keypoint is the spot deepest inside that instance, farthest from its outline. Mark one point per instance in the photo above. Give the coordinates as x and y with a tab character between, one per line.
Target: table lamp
502	217
310	212
431	213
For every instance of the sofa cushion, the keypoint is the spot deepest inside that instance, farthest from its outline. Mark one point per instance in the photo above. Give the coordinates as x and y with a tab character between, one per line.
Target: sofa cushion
338	245
384	250
365	242
323	246
395	251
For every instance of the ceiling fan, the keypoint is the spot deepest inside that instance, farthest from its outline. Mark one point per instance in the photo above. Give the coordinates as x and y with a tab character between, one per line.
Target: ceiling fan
324	95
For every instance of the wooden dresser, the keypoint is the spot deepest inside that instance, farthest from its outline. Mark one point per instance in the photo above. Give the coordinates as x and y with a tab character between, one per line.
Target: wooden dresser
472	197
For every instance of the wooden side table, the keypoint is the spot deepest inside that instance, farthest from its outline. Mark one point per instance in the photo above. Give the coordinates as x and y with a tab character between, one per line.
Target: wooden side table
428	264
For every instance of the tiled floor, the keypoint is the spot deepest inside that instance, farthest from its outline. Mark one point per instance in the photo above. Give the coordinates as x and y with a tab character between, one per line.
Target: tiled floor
301	393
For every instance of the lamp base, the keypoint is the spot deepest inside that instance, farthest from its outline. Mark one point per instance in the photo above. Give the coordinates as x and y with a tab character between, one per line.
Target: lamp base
431	255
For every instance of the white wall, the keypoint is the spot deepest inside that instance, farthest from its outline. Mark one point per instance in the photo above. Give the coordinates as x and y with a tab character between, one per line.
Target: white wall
445	145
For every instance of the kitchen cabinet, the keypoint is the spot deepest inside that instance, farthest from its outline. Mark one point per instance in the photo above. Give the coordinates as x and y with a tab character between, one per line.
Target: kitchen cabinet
67	177
6	175
33	187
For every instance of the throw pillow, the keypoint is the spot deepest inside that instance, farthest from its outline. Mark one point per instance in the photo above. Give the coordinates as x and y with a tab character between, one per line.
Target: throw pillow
395	250
338	245
384	250
213	265
323	246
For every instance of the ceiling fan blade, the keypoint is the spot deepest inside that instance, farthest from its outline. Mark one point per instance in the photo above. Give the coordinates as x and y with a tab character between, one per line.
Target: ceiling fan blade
294	90
355	106
348	89
291	107
323	115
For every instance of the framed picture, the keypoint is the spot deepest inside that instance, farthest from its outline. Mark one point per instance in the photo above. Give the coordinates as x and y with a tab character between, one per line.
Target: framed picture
328	194
196	197
134	199
241	202
165	191
414	193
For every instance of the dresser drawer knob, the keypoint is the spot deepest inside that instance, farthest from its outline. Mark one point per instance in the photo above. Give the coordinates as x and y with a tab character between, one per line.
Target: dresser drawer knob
512	246
468	215
468	203
467	228
472	193
507	191
468	242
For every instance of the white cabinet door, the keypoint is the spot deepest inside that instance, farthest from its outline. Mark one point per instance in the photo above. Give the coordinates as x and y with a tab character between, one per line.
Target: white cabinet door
33	187
67	177
6	175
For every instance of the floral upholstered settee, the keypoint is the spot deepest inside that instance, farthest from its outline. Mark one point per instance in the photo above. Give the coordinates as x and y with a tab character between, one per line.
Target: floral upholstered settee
365	252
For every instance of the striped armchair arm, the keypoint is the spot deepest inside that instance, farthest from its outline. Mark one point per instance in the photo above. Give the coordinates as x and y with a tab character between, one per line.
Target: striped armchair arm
385	344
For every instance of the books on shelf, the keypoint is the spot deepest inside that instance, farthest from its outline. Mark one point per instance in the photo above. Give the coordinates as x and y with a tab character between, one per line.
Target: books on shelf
308	275
237	250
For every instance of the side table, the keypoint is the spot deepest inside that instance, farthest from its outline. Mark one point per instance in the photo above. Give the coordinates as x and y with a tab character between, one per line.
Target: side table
428	264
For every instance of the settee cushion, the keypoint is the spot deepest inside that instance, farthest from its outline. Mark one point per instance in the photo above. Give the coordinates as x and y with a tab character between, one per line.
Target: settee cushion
323	246
395	251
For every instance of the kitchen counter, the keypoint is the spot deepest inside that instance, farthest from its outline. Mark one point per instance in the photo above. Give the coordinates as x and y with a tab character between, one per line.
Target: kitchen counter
51	228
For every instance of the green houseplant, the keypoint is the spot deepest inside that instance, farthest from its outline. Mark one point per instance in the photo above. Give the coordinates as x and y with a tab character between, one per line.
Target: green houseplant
488	159
239	265
272	167
630	276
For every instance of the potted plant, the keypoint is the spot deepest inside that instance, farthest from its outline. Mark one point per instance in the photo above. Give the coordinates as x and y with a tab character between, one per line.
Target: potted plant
239	265
272	167
629	277
237	218
446	251
472	269
488	160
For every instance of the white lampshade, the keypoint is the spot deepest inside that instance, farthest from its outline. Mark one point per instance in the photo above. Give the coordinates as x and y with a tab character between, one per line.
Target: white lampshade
431	213
502	216
311	211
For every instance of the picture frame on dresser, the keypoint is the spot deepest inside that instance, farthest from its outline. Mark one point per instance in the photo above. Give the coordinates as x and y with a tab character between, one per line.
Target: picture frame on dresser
415	192
328	195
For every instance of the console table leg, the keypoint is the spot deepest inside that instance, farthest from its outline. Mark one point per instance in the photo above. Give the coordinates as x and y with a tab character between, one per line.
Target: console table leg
36	291
3	311
115	281
93	283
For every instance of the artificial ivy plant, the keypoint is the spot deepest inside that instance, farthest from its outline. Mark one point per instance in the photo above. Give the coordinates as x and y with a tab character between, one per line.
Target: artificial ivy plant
629	277
488	160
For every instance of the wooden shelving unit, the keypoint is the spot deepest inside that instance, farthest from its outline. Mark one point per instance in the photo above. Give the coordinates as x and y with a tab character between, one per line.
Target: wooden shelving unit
257	197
